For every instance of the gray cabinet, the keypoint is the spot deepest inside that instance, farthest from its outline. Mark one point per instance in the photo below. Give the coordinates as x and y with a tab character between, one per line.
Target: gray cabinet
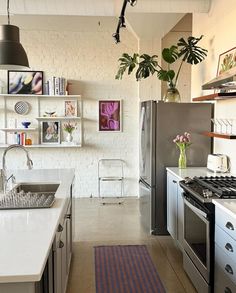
174	208
225	252
63	251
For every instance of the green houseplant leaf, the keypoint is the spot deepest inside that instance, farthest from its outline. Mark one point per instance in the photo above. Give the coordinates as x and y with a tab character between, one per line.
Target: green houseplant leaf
147	66
190	52
127	62
166	75
170	55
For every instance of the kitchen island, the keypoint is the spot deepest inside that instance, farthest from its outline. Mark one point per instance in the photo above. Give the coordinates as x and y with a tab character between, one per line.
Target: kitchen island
29	236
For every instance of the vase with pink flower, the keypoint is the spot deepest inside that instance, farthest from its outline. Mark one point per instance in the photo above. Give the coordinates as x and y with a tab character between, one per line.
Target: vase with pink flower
182	141
69	128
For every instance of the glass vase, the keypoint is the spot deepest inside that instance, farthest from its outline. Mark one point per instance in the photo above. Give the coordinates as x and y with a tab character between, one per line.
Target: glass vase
172	95
182	158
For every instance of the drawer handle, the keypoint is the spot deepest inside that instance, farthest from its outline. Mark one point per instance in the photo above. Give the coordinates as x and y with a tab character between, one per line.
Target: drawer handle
61	244
60	228
229	269
229	226
174	181
227	290
229	247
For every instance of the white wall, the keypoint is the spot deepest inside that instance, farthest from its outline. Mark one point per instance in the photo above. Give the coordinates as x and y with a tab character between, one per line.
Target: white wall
88	56
183	29
219	36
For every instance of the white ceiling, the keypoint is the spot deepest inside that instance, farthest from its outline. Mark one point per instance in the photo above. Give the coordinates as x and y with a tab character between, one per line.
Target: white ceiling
147	18
102	7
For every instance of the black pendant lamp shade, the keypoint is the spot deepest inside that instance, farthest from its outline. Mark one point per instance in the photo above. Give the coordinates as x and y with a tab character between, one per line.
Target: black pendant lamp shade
12	53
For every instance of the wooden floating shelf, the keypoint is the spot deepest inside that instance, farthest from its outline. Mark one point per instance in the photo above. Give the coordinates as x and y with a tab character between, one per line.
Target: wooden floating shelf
57	118
219	135
216	96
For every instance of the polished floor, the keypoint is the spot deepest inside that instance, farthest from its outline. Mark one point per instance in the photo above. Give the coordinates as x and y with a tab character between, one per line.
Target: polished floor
114	224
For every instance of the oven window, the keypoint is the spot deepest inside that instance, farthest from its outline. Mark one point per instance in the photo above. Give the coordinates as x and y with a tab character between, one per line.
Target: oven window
195	234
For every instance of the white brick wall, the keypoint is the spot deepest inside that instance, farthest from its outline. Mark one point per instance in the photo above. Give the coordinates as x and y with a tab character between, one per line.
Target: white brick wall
89	58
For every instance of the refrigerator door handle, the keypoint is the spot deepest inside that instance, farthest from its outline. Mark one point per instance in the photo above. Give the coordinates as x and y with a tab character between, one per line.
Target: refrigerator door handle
144	184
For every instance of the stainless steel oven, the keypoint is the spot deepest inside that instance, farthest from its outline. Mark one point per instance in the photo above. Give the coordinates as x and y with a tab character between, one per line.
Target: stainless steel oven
199	242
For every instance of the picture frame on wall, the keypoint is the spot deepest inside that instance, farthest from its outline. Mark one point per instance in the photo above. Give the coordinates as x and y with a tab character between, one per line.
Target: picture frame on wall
25	82
50	132
110	115
71	109
227	61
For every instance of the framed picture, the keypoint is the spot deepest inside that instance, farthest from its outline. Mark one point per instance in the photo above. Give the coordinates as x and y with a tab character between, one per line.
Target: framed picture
227	60
25	82
110	115
71	108
50	132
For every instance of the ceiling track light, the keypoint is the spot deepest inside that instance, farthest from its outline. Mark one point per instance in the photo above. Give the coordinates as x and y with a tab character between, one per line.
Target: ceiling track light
132	2
121	22
12	53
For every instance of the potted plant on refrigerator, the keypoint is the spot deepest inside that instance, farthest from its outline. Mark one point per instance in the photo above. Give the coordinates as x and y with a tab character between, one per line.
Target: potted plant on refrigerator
146	65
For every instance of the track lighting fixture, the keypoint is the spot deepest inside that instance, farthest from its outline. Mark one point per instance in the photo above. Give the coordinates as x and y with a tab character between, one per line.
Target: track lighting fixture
132	2
12	54
121	22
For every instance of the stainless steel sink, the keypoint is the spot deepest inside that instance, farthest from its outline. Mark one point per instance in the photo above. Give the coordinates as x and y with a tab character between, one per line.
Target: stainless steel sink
37	187
30	196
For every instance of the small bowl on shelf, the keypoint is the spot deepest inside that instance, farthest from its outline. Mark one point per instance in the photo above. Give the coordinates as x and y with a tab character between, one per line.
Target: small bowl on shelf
26	124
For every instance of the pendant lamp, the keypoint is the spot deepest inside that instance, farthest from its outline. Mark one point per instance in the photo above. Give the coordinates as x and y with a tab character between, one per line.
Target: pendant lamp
12	53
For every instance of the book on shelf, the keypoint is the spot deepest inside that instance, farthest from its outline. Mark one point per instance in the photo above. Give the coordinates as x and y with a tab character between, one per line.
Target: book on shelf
56	86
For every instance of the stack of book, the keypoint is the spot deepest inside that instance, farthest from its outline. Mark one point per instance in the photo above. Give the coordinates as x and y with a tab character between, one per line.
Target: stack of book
55	86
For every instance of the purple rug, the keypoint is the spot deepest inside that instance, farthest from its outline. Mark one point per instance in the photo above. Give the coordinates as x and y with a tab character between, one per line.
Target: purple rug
125	269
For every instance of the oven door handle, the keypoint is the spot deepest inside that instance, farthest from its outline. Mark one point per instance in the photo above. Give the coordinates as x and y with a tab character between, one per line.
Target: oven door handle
196	210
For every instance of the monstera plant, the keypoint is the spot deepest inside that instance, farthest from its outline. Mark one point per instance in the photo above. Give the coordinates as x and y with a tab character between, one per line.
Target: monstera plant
146	65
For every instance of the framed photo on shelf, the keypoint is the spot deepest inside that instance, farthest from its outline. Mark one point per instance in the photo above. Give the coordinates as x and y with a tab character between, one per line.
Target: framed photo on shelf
227	60
25	82
110	115
71	108
50	132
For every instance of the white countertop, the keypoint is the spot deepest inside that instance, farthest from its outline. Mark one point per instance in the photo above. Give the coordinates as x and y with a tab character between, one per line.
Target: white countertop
26	236
193	171
227	205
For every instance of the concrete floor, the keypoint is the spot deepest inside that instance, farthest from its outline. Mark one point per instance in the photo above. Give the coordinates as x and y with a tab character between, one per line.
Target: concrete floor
113	224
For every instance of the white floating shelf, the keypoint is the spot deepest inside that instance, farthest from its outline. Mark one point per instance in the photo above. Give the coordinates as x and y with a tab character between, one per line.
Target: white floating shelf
3	146
57	118
19	129
41	96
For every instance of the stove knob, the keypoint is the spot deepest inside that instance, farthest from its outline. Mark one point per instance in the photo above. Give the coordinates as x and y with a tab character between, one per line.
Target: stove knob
188	180
207	193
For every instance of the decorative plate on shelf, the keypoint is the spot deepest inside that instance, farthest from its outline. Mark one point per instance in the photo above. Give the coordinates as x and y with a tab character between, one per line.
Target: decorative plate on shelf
22	107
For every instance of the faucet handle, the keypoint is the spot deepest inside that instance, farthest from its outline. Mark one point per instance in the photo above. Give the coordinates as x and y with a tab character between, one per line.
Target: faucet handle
30	164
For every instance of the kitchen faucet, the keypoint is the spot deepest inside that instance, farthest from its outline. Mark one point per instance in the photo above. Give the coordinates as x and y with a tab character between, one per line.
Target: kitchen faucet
4	173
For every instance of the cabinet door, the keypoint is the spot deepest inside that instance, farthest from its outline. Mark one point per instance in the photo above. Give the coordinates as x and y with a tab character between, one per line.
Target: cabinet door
68	243
63	259
57	268
172	198
180	218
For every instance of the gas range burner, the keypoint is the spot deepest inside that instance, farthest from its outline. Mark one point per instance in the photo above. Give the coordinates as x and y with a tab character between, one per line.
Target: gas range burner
204	188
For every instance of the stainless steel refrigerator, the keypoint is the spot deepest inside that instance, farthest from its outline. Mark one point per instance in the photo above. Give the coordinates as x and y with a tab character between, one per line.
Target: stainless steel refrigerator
159	124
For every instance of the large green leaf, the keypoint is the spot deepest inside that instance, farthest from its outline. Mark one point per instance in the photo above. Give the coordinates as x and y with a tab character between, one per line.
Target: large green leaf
147	66
191	53
127	62
166	75
170	55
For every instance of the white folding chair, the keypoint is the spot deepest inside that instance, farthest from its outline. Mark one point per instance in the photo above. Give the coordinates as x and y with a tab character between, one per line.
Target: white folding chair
111	170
